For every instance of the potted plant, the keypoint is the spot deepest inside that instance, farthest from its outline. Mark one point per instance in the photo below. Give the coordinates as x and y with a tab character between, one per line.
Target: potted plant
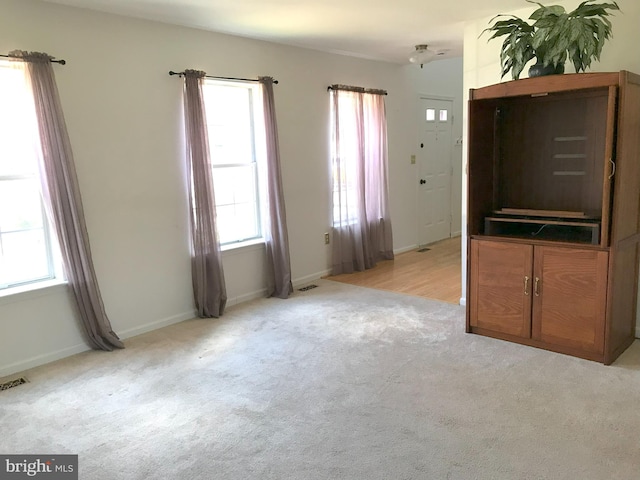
553	37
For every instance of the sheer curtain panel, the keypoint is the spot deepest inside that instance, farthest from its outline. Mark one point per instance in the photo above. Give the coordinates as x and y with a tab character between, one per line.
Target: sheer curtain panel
61	194
362	233
209	289
275	232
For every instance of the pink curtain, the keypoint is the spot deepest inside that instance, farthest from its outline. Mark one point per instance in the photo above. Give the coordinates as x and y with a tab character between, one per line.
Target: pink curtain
362	233
209	289
275	232
61	193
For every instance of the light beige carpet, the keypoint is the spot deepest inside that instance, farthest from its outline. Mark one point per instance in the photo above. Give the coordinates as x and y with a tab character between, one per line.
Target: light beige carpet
339	382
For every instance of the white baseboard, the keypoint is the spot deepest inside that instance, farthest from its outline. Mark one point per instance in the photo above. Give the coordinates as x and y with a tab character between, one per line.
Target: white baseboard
42	359
301	281
148	327
397	251
262	293
73	350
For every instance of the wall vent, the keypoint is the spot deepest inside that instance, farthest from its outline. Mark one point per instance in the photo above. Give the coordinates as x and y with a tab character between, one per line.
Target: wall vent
308	287
12	383
423	250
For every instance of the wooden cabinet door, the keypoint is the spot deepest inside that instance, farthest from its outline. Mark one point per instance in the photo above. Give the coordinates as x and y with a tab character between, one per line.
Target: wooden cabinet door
569	297
500	287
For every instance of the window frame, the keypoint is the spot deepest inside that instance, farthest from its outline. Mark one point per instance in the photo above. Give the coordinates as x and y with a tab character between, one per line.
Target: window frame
255	163
342	187
52	264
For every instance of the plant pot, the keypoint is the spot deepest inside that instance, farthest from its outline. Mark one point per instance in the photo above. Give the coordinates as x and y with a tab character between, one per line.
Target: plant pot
539	70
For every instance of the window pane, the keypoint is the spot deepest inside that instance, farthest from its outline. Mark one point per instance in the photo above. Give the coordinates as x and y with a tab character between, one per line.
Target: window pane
224	222
229	112
237	203
25	254
237	222
235	184
17	124
246	225
431	114
444	115
20	205
23	257
230	124
345	155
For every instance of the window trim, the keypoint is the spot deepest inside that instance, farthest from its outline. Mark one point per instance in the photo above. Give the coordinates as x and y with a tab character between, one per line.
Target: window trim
251	89
53	264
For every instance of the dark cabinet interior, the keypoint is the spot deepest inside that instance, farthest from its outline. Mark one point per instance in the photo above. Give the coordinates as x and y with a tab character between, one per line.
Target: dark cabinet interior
540	162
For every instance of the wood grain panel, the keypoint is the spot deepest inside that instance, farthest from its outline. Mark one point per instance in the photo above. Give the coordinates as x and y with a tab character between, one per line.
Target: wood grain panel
626	202
553	152
570	308
547	84
480	166
609	165
622	307
497	288
432	274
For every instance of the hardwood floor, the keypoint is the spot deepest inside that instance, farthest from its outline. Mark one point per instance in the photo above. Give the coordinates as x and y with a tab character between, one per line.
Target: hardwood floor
432	274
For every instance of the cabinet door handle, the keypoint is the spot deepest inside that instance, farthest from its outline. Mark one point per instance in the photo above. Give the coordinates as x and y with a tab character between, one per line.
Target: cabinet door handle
526	285
536	287
613	169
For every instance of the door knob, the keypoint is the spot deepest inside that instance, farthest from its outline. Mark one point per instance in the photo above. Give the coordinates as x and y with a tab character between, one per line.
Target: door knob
422	181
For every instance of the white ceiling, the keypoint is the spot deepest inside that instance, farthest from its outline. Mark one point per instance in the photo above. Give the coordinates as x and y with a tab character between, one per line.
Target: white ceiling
378	29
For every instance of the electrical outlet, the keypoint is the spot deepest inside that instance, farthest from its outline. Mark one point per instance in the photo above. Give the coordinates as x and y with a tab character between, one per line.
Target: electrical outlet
326	239
413	159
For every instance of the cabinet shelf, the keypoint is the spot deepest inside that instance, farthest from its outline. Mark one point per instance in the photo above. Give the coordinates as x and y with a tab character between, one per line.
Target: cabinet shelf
561	230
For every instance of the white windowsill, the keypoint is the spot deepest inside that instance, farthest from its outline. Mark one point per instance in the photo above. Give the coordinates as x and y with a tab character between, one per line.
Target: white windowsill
233	248
32	290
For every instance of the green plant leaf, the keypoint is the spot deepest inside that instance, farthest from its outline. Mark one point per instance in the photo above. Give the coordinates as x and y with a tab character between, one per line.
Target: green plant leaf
546	11
554	36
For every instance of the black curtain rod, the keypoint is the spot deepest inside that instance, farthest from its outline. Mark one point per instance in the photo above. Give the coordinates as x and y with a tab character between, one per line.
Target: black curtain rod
222	78
350	88
53	60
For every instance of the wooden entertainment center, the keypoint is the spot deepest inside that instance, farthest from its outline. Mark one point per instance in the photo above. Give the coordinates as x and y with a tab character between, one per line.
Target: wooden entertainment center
554	212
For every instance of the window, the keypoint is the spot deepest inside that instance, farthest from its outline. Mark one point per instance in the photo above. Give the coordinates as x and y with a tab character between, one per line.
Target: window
345	158
233	126
26	253
358	156
431	114
361	225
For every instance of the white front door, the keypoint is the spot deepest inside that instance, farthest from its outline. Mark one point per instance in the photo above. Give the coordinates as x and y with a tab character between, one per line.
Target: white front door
434	170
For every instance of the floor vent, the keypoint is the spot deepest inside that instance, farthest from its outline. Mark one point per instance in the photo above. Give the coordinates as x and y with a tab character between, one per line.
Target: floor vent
12	383
308	287
423	250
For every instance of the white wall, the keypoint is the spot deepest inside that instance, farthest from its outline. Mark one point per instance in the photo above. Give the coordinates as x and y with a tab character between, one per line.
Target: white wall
482	66
123	113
